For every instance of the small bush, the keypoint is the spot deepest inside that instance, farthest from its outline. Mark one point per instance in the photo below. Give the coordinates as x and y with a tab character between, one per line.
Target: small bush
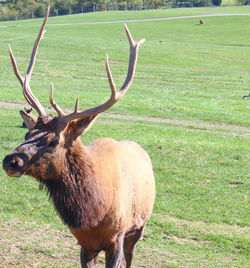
201	3
216	2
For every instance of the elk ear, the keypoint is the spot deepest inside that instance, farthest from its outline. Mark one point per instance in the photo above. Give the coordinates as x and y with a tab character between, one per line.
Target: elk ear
29	119
80	126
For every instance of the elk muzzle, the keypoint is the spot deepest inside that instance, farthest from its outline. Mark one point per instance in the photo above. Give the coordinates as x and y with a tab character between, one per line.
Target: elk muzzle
14	164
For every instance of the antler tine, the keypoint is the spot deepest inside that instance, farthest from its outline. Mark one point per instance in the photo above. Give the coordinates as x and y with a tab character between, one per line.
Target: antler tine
134	49
15	68
28	94
110	78
17	73
76	105
54	105
39	37
115	96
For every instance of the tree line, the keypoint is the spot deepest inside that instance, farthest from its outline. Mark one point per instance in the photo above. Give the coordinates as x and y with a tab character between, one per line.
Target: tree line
25	9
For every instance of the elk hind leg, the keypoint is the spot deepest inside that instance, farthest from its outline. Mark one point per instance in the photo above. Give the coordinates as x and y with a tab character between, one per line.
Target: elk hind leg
129	244
114	255
88	260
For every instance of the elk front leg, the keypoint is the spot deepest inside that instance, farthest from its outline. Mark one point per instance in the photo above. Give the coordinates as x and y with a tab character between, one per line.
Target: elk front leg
88	260
114	256
129	244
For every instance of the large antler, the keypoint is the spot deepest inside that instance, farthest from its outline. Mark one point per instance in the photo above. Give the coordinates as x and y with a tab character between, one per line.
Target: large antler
28	94
115	96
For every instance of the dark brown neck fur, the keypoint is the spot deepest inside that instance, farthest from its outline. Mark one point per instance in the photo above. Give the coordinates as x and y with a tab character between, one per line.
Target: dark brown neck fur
75	193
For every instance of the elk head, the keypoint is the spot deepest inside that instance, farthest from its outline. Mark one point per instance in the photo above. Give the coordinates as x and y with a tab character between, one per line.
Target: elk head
49	138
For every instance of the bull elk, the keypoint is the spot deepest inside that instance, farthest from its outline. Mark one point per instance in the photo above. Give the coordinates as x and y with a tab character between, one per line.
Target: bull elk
105	191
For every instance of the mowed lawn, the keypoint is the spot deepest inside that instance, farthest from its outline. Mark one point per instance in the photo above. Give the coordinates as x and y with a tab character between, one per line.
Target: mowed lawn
185	108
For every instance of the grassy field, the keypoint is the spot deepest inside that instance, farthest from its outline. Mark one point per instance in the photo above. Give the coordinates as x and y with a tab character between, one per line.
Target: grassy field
193	76
184	68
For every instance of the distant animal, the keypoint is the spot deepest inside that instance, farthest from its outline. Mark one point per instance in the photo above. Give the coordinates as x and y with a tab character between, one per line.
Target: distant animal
28	111
201	21
104	191
246	96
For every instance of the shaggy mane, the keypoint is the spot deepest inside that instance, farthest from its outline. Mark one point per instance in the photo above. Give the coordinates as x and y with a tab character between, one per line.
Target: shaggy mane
75	193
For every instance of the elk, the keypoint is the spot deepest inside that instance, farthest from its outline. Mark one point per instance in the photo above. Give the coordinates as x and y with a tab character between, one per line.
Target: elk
104	191
28	111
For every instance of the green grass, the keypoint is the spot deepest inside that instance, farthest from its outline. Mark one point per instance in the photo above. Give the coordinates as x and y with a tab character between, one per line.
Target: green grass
200	212
185	71
196	74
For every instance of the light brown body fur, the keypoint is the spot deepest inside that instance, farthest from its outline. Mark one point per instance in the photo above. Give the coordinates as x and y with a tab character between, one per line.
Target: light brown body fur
128	186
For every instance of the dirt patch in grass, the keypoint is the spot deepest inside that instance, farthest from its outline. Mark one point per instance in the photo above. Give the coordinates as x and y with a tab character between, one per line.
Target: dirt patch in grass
213	228
147	257
220	56
198	125
32	245
188	125
182	240
26	246
115	122
112	61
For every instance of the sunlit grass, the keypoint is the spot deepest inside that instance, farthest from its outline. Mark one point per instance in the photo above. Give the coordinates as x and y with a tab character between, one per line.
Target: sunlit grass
185	72
201	203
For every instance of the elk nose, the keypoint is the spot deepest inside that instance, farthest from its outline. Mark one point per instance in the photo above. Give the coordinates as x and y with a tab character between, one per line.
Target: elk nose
12	162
